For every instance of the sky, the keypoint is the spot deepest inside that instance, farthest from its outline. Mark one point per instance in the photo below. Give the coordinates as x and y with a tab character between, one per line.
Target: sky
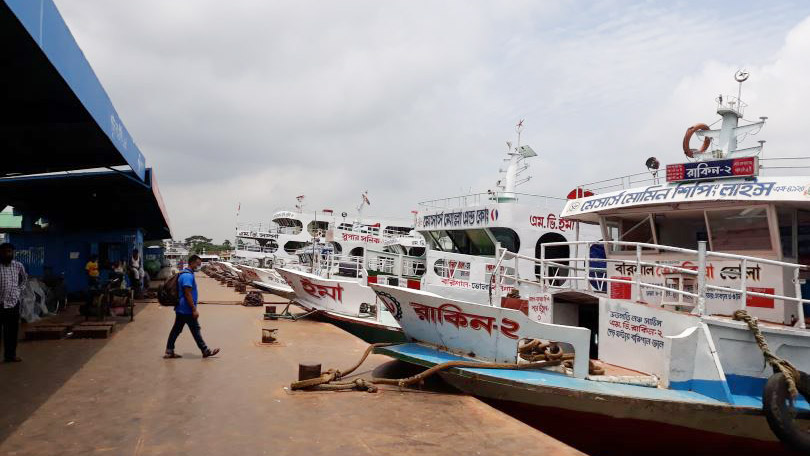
256	102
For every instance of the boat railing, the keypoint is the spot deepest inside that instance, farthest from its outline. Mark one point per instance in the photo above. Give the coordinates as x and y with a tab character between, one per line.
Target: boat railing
784	163
328	265
620	183
391	233
590	274
480	199
395	264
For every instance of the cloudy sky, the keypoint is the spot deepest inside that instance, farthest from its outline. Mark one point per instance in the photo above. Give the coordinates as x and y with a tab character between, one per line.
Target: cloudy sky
259	101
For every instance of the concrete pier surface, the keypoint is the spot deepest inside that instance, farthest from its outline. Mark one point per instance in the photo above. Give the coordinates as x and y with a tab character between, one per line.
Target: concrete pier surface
119	397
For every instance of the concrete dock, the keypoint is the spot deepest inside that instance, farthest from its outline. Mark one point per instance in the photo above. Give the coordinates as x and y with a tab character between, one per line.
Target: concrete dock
118	396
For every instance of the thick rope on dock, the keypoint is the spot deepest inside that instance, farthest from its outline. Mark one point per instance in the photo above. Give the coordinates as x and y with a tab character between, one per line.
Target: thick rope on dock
788	370
538	353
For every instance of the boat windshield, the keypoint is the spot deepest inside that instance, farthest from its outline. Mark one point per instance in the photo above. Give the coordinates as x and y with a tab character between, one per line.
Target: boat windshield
468	242
726	229
479	242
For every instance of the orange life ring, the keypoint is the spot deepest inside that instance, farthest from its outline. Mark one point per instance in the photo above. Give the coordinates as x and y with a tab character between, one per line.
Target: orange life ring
691	131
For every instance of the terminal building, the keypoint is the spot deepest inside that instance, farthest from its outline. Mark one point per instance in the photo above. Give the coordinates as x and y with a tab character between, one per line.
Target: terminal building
73	181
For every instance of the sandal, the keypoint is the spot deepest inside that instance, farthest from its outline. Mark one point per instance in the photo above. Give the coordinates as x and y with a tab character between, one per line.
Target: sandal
171	356
209	353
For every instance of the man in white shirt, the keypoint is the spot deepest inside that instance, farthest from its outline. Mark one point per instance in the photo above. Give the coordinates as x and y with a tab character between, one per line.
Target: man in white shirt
12	281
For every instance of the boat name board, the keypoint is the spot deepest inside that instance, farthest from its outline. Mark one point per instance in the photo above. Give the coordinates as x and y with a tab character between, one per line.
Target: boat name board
256	234
475	217
786	189
361	238
552	222
453	315
714	169
317	290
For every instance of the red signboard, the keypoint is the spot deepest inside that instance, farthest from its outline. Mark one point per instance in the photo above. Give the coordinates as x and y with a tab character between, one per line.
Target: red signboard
759	301
714	169
621	290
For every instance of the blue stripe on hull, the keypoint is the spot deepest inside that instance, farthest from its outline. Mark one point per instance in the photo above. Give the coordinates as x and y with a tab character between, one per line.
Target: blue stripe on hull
685	392
745	391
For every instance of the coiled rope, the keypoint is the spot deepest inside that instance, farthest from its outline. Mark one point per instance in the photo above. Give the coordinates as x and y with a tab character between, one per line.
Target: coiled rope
788	370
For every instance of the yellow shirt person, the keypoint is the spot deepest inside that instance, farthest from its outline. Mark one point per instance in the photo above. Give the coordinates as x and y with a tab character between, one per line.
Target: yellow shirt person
92	268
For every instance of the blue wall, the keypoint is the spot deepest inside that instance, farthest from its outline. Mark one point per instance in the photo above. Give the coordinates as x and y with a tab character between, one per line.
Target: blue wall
65	254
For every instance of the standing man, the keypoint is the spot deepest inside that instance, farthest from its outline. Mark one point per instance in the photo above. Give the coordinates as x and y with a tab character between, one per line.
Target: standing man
186	312
136	272
12	280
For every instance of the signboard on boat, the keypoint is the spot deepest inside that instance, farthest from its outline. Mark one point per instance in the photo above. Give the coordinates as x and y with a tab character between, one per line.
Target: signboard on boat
714	169
256	234
634	335
761	278
540	306
794	188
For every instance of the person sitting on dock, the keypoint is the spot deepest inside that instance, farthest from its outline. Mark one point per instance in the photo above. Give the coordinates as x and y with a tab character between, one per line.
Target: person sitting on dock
186	312
12	281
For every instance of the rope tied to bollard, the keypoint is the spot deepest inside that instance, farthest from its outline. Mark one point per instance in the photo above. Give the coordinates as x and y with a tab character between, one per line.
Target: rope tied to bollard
537	353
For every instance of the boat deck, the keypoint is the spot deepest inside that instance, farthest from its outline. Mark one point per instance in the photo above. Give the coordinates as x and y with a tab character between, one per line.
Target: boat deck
118	396
427	356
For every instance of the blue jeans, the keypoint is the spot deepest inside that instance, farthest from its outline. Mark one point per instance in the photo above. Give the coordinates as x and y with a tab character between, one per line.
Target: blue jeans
181	320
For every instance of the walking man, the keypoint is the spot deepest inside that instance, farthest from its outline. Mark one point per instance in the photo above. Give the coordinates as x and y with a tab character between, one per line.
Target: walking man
186	312
12	280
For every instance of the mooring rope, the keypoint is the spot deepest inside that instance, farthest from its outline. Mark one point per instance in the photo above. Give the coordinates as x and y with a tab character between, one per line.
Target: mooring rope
538	354
788	370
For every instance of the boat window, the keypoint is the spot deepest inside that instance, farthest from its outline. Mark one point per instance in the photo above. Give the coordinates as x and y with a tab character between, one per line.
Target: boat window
293	246
439	240
740	229
681	229
397	230
468	242
317	228
507	237
630	229
452	269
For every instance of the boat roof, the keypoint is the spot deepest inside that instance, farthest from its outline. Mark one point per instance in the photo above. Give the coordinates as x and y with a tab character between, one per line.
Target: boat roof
789	189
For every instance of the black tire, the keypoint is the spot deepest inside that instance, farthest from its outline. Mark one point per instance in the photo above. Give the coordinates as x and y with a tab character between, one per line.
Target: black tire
780	413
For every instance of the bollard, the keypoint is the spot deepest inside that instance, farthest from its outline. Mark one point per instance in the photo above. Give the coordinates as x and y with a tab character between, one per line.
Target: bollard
269	335
308	371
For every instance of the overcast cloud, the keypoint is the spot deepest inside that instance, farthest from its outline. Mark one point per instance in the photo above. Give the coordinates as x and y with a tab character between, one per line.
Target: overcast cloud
257	102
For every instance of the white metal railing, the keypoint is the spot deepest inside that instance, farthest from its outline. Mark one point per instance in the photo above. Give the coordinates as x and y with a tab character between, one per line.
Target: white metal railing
621	183
732	103
580	274
395	264
330	265
478	199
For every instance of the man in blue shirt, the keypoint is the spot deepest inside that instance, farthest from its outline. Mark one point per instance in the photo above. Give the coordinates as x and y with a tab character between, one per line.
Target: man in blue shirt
186	311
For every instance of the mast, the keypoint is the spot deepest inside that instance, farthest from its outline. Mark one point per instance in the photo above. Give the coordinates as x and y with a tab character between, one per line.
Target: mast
516	166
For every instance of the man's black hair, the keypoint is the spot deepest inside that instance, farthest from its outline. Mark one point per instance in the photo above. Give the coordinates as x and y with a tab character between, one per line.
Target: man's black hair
8	245
193	258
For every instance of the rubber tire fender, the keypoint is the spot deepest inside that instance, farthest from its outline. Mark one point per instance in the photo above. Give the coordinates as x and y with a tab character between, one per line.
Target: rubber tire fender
781	414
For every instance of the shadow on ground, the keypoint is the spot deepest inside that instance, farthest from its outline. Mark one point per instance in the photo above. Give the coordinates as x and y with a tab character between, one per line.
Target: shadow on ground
46	366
